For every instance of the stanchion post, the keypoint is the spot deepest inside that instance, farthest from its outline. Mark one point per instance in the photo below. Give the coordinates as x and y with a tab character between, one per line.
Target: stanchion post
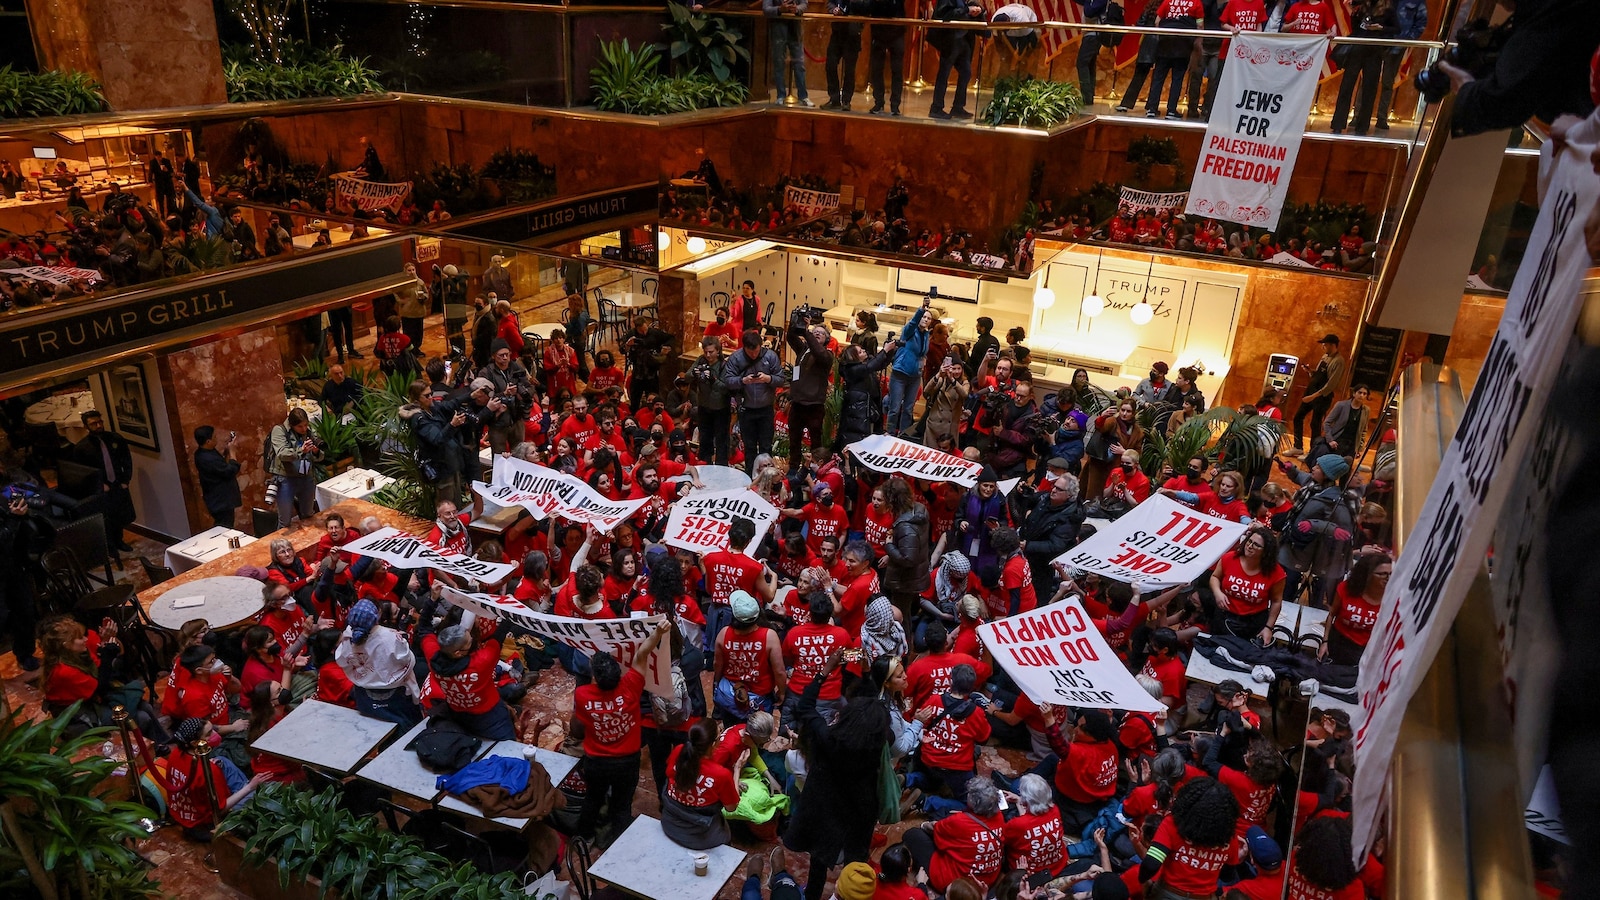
201	750
120	717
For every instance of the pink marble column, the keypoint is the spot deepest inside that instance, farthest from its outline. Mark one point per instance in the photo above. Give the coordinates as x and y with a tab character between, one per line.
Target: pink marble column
147	55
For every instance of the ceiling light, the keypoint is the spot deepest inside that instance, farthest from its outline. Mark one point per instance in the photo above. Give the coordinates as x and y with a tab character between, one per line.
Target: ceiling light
1141	313
1044	298
1093	305
697	245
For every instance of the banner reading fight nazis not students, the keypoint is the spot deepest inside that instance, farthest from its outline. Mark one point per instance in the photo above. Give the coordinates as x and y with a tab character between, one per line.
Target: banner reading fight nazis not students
1159	543
1057	656
409	551
891	455
699	522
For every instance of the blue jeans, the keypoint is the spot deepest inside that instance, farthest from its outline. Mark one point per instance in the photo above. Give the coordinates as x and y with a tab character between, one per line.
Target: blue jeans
788	57
903	390
231	774
494	725
718	617
398	707
782	886
929	780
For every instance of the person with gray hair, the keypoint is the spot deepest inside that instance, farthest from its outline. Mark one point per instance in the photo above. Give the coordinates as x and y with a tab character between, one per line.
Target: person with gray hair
462	659
963	846
1050	529
1034	840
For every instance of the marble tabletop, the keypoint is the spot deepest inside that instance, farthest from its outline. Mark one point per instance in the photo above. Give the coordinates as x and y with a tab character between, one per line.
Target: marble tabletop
646	863
717	478
229	600
541	330
558	765
1204	671
632	300
324	735
204	547
399	769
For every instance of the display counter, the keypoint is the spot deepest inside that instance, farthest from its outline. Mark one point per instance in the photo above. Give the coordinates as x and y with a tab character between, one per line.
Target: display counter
26	216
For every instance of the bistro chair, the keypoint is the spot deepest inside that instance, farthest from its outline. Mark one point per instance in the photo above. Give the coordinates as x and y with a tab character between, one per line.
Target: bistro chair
648	286
86	539
613	318
492	851
156	572
262	521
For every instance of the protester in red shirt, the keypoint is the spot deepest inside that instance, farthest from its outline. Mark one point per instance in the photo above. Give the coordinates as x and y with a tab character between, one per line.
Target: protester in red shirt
290	571
1127	483
461	661
747	669
1086	773
894	876
1248	586
732	570
449	531
1244	15
1168	772
954	724
267	709
1016	576
82	666
855	593
806	649
1309	17
823	516
1319	867
336	536
1193	843
967	844
1253	788
1164	665
201	691
1035	842
1356	602
263	661
188	795
876	520
931	673
701	789
608	710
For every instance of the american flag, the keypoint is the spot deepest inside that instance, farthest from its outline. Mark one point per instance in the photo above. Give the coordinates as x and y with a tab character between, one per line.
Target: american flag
1055	40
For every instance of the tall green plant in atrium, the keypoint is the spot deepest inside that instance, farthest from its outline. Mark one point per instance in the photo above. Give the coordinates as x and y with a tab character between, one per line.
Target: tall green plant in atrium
698	42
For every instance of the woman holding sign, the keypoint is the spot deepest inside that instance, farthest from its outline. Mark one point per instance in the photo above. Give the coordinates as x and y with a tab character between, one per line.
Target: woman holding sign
1248	586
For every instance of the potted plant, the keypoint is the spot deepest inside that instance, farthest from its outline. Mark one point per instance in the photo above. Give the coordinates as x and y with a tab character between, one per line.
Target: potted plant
1154	161
1028	102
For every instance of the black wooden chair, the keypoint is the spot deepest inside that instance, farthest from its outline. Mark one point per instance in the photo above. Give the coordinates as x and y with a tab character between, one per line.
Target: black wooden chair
262	521
156	572
492	851
86	538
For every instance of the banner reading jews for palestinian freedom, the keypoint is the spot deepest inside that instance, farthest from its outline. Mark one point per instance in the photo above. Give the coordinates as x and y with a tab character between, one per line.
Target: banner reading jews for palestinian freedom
1256	125
1499	433
370	195
545	492
809	203
891	455
619	637
1057	656
699	521
1131	202
1158	543
408	551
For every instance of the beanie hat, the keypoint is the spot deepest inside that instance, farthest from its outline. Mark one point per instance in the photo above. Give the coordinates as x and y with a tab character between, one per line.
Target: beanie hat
856	882
1333	466
482	384
498	344
362	617
745	607
987	474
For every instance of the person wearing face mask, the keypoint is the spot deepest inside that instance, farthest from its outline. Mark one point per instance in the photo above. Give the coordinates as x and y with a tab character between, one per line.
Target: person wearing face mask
1320	531
981	512
1115	430
263	662
1191	483
1355	609
1156	388
200	689
269	703
1126	487
824	517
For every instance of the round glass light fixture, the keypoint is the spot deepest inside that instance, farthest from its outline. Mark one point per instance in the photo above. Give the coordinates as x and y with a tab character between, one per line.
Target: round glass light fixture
1093	305
663	240
697	245
1141	313
1044	297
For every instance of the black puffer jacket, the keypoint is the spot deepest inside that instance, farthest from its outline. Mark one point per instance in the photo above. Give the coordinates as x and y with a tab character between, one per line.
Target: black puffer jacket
908	548
861	413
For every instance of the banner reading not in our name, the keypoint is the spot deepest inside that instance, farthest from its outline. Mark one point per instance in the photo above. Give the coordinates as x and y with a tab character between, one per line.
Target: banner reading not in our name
699	522
1159	543
408	551
891	455
1057	656
1256	125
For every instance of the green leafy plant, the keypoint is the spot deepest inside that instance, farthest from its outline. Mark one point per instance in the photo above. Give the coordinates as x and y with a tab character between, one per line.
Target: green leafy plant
1147	152
339	436
1220	435
28	95
56	813
521	177
305	72
630	81
1029	102
698	42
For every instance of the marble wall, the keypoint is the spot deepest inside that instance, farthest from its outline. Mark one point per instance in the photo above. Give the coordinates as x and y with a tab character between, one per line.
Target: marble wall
234	383
148	55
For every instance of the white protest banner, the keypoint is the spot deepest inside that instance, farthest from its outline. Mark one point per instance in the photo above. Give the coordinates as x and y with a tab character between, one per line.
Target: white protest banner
891	455
544	492
1158	543
699	521
1544	809
370	195
1057	656
1256	125
409	552
1132	202
987	260
1505	413
1285	258
809	203
619	637
61	276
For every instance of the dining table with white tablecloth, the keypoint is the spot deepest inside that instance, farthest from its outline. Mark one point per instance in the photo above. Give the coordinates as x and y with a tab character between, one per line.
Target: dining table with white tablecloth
351	484
65	412
204	547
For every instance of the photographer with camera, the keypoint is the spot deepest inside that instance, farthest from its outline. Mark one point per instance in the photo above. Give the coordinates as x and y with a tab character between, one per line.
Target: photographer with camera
23	537
294	452
434	423
484	404
808	393
753	376
219	474
646	348
712	415
905	376
514	393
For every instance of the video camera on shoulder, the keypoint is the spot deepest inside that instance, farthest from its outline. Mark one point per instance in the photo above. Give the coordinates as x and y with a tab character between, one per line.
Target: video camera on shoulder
804	316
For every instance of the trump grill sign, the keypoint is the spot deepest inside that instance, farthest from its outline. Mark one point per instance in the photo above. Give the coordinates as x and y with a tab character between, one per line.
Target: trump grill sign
1158	544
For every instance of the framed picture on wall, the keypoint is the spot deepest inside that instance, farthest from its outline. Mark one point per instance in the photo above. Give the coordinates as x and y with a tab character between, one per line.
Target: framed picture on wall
129	411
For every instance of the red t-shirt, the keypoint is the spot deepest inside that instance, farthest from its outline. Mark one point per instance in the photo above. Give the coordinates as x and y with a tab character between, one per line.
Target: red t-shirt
966	639
1119	231
853	605
288	626
727	571
578	429
1183	9
334	686
930	674
1141	801
898	890
608	377
195	698
1035	843
1269	886
1018	574
744	658
876	526
187	802
1169	672
950	742
1137	734
1308	18
1246	594
255	672
472	690
1245	15
1089	773
806	649
1233	510
966	846
1355	617
714	786
610	718
824	521
790	565
458	542
1253	798
327	543
1190	869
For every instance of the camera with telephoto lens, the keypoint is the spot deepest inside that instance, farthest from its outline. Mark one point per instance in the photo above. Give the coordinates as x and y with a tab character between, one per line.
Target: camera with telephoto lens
14	492
1476	50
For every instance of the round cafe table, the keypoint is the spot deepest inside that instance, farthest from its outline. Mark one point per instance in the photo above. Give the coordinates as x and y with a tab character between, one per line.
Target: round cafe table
64	411
229	600
719	478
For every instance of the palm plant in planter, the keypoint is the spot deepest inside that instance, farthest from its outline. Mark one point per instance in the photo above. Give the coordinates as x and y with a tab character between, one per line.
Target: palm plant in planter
698	42
380	431
1029	102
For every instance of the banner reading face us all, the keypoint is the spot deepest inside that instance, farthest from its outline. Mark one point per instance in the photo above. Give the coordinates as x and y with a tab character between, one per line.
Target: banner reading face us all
1057	656
1256	125
1159	543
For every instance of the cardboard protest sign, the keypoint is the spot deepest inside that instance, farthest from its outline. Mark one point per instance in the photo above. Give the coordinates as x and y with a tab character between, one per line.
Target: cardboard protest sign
891	455
408	551
545	492
699	521
61	276
621	638
1159	543
1057	656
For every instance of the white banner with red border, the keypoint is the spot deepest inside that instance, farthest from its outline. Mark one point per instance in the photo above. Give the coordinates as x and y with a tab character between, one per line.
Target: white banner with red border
1057	656
809	203
894	456
370	195
1159	543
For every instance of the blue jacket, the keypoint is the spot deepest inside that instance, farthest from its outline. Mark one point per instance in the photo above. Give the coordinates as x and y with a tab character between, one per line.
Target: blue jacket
508	772
913	346
1413	16
214	222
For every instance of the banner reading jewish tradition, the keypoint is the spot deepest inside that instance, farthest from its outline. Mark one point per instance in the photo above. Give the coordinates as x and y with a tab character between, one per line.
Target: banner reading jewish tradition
809	203
891	455
1257	122
699	522
1057	656
370	195
1497	435
1131	202
545	492
1159	543
408	551
619	637
60	276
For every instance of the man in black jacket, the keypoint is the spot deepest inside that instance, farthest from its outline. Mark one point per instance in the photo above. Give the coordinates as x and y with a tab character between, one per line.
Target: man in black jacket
808	392
219	475
986	341
108	454
1050	528
888	48
711	402
646	348
22	537
844	48
340	392
434	423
